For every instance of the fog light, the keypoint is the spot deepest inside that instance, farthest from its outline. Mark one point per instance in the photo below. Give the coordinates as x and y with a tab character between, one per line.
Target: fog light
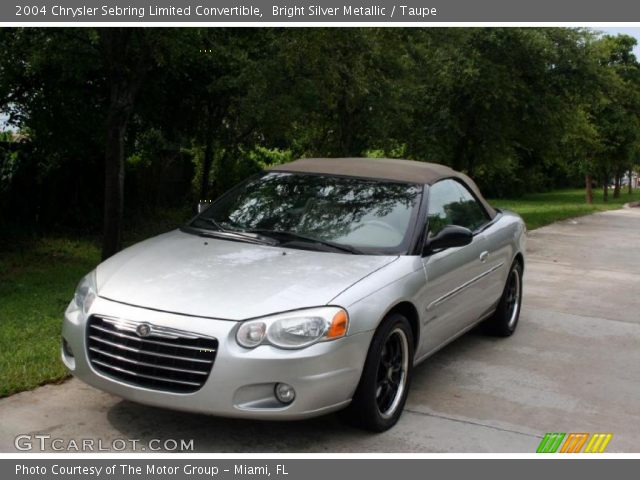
66	348
285	393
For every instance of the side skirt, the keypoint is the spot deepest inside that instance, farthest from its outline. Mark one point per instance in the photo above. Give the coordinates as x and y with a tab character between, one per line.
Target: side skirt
483	317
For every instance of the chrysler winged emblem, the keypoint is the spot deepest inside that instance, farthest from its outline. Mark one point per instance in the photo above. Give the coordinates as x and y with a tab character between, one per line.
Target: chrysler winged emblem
143	330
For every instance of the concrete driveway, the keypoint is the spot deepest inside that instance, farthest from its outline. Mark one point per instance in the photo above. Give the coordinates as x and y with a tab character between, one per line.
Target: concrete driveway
572	366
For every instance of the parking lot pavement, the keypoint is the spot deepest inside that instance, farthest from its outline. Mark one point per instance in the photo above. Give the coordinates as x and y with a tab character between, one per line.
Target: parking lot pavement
572	366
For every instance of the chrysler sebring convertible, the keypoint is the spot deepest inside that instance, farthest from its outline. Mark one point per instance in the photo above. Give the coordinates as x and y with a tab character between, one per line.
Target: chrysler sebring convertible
314	286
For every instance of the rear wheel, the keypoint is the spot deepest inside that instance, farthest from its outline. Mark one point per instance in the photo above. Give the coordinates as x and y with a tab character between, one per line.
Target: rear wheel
505	319
382	392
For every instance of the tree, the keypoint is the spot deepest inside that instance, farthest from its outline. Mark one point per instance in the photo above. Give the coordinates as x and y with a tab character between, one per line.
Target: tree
57	104
617	115
519	109
72	110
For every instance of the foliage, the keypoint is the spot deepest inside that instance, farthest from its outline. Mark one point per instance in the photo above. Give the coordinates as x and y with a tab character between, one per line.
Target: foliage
518	109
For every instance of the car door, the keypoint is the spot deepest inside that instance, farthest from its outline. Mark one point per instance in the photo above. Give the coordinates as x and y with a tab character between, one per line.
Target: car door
453	294
493	246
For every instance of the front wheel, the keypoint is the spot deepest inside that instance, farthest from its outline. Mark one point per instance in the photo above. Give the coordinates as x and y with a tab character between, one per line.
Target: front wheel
505	319
382	391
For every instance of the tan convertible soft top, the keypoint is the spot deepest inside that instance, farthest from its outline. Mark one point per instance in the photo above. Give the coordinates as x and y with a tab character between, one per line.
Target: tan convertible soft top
383	169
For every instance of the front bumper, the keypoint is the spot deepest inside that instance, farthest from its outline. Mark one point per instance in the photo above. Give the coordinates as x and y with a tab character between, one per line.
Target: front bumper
241	382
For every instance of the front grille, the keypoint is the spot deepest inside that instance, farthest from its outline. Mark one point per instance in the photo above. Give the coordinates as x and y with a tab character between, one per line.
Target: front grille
159	358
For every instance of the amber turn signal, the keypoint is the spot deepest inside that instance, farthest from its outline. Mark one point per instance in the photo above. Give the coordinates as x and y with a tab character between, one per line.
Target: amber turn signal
339	325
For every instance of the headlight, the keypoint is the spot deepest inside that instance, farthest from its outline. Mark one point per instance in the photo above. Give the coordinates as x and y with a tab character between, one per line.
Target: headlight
297	329
85	293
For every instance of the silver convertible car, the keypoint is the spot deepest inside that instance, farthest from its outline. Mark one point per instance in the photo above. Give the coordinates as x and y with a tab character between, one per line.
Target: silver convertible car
312	287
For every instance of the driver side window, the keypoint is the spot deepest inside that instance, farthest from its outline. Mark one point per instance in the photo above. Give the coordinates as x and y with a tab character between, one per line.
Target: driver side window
450	203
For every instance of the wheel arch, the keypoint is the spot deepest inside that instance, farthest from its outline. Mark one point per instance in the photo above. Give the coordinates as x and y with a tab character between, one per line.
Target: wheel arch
408	310
520	259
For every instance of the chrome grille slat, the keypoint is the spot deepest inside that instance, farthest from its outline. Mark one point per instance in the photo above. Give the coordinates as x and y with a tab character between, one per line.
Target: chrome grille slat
145	364
145	340
137	350
158	331
159	358
136	374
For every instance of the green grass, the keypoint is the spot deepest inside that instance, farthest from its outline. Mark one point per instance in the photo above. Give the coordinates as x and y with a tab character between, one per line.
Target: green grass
38	277
539	209
37	281
36	284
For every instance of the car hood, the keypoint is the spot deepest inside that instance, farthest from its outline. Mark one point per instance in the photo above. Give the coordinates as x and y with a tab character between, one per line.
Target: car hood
188	274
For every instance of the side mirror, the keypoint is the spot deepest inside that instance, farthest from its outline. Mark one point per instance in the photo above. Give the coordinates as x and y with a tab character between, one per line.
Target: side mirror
449	237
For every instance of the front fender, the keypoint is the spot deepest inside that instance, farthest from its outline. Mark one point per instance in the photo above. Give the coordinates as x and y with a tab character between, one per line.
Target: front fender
369	300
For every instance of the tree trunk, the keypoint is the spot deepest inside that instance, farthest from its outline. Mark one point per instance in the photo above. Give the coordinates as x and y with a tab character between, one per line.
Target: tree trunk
616	185
114	182
605	190
125	77
471	166
206	167
215	111
345	144
589	189
630	187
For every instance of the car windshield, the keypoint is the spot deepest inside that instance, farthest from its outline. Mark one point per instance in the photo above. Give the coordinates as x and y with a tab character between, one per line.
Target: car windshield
318	211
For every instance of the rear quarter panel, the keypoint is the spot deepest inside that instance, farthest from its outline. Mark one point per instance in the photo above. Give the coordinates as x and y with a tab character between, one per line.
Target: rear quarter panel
504	239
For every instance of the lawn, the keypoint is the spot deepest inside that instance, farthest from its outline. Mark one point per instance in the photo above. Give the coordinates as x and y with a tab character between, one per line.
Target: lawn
37	280
539	209
36	285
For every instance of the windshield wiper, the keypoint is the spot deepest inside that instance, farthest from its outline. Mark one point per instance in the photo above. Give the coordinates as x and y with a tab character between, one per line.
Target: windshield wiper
220	231
292	236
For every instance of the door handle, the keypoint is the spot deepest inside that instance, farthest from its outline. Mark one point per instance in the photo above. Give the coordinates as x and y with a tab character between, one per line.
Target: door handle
483	256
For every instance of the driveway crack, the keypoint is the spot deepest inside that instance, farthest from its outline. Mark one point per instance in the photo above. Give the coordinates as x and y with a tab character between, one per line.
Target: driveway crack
469	422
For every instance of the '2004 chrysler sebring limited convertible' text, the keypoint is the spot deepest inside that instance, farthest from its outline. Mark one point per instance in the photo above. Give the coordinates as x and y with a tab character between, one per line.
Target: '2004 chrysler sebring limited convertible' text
313	286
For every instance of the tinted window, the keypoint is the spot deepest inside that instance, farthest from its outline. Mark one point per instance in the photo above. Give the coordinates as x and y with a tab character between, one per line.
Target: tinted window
450	203
363	213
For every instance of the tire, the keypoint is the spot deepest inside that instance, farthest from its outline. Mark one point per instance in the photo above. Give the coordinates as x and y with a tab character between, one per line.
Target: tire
382	392
505	319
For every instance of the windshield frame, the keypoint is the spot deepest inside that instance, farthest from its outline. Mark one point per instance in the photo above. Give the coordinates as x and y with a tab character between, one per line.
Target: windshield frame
406	247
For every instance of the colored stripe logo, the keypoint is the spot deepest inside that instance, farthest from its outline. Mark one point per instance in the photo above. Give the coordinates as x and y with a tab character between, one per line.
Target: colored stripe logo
574	442
598	443
550	443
